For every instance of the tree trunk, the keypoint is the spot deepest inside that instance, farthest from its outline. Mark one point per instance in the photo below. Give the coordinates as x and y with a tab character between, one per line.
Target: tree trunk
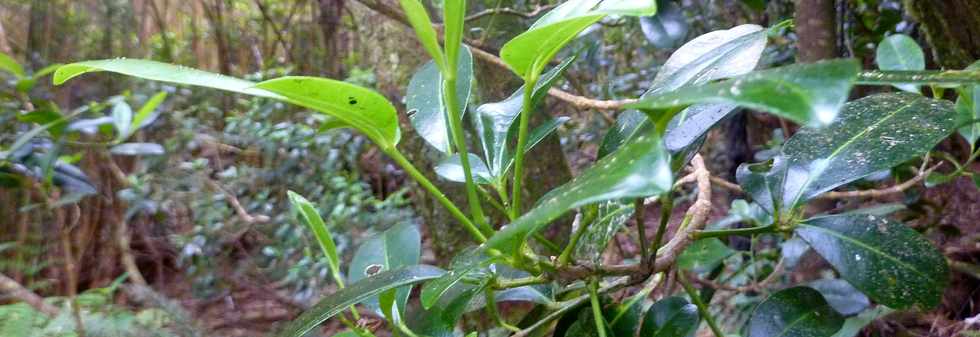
331	13
952	28
816	30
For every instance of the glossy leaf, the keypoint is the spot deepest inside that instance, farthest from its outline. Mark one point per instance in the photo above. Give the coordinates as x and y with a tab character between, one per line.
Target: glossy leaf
159	71
137	149
362	108
968	109
419	20
795	312
425	100
451	169
394	248
704	255
842	296
528	53
667	28
494	122
466	264
122	119
873	134
10	65
889	262
809	94
356	292
639	169
440	319
611	217
900	52
311	218
671	317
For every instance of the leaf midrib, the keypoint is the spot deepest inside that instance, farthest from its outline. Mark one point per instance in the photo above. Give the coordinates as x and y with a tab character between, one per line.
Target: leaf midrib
871	249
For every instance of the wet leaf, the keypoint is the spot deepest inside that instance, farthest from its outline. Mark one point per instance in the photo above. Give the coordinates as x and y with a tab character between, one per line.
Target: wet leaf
671	317
854	325
794	312
356	292
638	169
611	216
809	94
889	262
394	248
900	52
425	103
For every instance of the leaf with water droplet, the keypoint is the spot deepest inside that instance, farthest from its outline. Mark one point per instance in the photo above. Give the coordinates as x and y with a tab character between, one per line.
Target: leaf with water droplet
795	312
891	263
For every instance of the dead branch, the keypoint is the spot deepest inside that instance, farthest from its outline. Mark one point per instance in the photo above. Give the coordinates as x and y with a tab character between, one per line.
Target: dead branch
19	292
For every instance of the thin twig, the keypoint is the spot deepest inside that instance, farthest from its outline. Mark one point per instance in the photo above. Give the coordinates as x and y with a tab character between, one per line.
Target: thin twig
882	192
510	11
233	201
19	292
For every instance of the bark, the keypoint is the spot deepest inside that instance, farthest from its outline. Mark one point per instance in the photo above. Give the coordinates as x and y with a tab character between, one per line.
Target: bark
816	30
952	28
331	13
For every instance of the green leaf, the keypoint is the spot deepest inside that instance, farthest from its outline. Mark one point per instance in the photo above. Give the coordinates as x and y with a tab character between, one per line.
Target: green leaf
465	265
809	94
451	169
666	29
453	14
362	108
122	119
419	19
900	52
611	216
842	296
10	65
494	122
159	71
440	319
311	218
528	53
425	100
854	325
146	112
795	312
704	255
889	262
671	317
639	169
394	248
873	134
968	109
357	292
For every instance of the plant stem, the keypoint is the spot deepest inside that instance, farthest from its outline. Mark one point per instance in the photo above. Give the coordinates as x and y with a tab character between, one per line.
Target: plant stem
703	234
696	298
428	186
520	282
597	308
456	128
641	230
492	310
666	210
584	223
526	107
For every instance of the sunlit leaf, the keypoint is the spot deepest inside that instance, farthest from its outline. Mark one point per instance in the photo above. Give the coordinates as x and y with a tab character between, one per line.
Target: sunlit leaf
146	113
795	312
900	52
889	262
356	292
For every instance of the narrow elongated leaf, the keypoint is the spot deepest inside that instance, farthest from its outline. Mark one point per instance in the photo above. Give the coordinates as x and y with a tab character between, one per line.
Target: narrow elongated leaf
311	218
425	100
394	248
122	119
809	94
889	262
159	71
795	312
357	292
453	15
854	325
900	52
873	134
137	149
639	169
10	65
362	108
968	109
147	112
419	19
670	317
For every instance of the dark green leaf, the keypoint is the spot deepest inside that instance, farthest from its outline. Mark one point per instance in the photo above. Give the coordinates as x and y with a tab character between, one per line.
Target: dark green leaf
159	71
795	312
809	94
440	319
357	292
611	216
900	52
467	264
451	169
639	169
889	262
394	248
704	255
873	134
311	218
671	317
842	296
138	149
425	103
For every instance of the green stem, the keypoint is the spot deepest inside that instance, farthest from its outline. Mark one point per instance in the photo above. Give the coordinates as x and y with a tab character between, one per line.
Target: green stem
703	234
520	282
526	107
666	210
456	128
492	310
584	224
641	230
597	308
440	197
696	298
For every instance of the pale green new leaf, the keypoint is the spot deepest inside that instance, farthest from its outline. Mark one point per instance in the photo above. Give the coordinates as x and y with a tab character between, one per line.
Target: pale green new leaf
900	52
454	11
419	19
143	116
311	217
8	64
158	71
